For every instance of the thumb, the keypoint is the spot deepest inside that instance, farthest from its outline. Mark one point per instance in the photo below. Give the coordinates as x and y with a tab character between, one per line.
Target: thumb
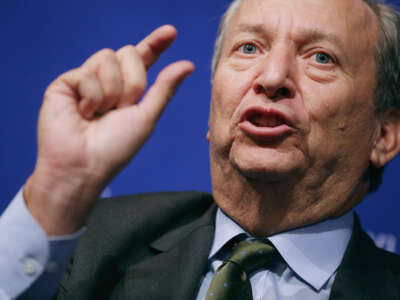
159	94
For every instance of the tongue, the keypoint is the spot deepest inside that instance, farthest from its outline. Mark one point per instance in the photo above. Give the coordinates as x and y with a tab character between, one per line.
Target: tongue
266	121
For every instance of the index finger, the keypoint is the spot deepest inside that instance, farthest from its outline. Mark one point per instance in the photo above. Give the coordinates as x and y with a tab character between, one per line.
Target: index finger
152	46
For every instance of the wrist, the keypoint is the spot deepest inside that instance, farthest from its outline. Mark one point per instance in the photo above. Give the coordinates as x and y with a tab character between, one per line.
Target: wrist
60	202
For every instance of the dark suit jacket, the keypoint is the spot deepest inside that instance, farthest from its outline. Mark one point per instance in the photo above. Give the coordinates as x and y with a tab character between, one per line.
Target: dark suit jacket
155	246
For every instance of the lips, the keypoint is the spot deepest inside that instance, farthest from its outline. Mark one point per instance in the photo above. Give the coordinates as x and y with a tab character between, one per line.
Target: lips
265	123
261	120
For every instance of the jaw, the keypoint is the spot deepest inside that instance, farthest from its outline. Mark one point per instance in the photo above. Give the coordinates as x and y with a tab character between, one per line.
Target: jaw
275	194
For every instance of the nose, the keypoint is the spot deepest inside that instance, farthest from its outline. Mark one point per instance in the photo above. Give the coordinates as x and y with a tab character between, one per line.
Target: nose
274	75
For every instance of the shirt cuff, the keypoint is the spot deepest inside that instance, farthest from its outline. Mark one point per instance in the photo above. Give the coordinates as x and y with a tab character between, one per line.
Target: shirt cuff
29	260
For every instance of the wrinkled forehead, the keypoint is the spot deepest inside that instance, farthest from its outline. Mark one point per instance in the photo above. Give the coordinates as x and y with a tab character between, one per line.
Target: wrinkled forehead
352	21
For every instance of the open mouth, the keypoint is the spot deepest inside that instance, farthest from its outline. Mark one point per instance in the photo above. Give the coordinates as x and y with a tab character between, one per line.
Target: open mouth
261	120
265	123
265	117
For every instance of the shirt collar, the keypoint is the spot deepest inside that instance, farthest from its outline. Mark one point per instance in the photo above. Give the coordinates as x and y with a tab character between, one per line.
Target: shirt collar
313	252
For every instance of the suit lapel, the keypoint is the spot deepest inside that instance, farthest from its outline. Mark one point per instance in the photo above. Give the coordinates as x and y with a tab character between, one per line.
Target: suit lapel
175	272
361	274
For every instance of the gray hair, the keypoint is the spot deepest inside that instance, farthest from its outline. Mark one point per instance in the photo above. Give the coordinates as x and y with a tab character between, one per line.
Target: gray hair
387	91
225	20
387	56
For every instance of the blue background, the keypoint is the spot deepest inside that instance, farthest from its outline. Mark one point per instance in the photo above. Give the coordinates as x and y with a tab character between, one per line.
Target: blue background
42	39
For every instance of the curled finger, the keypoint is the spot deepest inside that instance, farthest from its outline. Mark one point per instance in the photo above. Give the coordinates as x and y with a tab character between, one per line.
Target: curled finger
134	76
90	94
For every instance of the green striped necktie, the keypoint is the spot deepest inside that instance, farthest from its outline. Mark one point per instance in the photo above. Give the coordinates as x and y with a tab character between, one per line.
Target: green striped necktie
231	280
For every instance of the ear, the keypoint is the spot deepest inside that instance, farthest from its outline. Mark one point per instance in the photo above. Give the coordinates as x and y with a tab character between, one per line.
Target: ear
208	131
208	135
387	142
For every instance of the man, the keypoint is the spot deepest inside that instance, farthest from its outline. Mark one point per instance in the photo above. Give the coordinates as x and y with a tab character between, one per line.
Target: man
303	115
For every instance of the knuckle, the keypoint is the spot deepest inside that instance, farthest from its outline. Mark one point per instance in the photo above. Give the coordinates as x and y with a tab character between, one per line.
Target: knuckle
106	53
128	50
98	59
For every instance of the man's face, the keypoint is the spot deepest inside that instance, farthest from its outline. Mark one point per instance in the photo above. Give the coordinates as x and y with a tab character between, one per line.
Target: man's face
292	95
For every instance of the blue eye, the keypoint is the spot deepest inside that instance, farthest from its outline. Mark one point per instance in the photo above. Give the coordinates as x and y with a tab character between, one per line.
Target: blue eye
323	58
249	48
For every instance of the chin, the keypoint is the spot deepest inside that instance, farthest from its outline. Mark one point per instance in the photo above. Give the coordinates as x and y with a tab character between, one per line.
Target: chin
266	164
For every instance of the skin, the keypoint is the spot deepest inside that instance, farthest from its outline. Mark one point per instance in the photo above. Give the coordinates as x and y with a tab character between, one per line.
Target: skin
316	170
265	185
90	107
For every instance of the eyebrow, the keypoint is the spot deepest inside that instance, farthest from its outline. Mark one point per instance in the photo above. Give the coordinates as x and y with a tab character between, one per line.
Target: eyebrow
303	35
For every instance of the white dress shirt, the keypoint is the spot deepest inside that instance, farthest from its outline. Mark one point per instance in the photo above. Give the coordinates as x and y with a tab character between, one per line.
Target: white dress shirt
29	260
311	256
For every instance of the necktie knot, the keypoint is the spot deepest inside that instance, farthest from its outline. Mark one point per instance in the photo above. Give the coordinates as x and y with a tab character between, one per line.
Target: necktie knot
251	255
231	281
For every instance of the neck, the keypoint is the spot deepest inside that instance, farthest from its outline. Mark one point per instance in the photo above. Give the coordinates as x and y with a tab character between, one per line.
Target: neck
265	208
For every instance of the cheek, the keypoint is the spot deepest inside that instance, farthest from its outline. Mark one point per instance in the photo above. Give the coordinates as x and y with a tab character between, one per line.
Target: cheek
221	109
339	123
328	104
229	88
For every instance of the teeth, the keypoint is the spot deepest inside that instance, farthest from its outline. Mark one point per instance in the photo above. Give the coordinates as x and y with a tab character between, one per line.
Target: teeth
266	121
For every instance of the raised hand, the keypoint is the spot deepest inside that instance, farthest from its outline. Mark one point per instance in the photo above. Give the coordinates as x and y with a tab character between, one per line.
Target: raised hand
92	123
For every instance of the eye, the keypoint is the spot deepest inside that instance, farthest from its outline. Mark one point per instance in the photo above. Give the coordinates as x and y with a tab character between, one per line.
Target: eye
323	58
248	48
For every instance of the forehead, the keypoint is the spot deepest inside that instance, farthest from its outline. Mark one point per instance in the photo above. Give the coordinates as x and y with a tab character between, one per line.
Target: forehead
352	22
